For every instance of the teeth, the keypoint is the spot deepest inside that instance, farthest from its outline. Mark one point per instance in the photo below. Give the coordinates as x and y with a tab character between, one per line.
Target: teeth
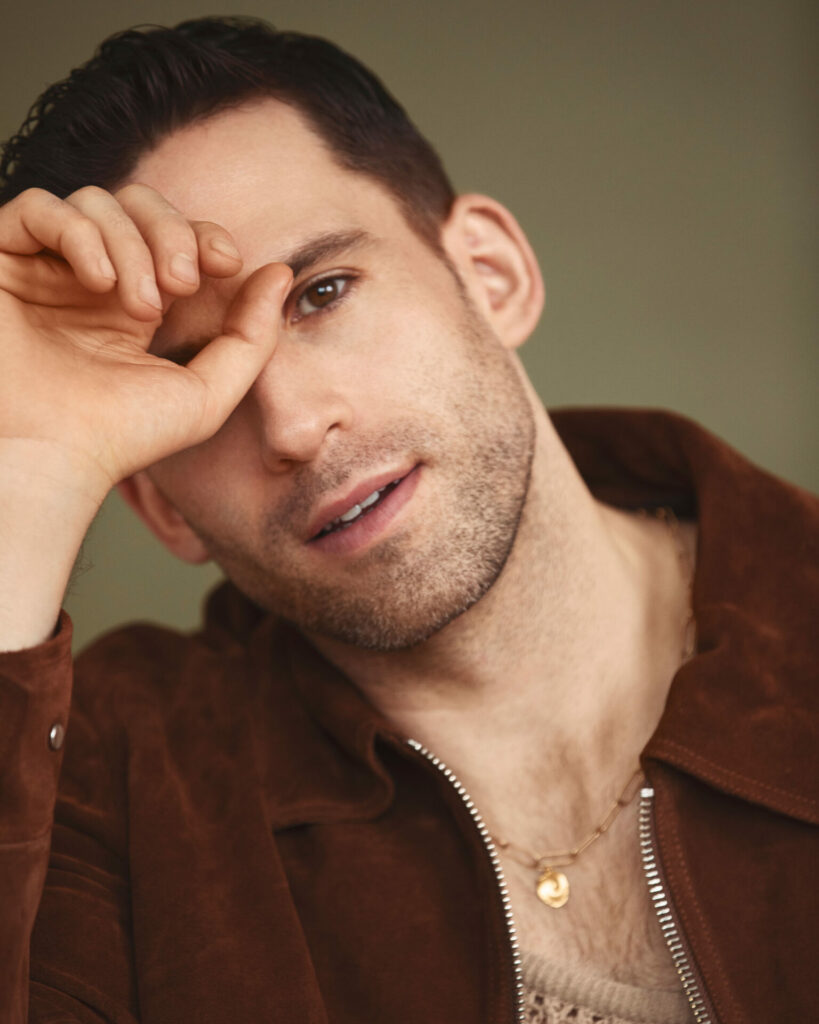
356	510
373	498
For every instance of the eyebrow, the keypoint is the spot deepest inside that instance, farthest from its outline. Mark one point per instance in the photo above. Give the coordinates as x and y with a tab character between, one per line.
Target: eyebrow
301	258
322	247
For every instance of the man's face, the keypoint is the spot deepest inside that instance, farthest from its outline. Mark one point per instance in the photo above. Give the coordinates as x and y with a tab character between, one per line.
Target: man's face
385	379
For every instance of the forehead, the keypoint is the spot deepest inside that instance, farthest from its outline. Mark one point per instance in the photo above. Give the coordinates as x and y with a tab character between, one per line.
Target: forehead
261	172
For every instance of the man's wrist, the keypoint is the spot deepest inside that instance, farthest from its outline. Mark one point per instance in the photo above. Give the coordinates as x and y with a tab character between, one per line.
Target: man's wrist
44	516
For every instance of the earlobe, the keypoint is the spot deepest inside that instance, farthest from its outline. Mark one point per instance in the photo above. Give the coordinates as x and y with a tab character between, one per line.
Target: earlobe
162	518
496	264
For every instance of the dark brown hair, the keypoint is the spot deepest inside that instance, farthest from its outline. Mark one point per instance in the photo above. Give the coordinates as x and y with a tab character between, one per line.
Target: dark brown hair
92	127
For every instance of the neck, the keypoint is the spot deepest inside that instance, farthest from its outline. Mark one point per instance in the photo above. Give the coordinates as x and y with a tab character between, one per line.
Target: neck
561	668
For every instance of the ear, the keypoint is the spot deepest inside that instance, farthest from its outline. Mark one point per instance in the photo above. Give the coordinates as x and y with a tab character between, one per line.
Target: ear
496	264
162	518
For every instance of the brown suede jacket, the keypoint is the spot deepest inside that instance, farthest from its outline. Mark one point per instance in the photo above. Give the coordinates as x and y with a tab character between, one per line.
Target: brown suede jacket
239	836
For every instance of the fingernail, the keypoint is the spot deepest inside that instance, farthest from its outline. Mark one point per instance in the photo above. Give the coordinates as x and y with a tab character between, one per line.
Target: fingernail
107	268
149	292
225	247
184	269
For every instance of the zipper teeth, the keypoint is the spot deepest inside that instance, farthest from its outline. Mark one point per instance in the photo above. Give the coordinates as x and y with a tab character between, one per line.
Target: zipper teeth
662	907
491	850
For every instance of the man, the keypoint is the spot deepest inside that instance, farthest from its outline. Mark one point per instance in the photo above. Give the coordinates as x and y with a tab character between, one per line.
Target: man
236	283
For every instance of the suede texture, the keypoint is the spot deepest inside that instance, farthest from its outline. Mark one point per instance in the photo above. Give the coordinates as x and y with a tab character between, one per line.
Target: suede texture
239	835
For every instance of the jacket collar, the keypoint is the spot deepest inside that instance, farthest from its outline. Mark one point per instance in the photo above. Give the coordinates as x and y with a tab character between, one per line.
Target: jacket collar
739	714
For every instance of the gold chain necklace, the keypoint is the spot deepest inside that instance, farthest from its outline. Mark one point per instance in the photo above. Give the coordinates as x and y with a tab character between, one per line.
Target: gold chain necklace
552	886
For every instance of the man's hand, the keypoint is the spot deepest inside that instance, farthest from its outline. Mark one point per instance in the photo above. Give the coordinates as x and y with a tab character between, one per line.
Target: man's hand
83	403
83	283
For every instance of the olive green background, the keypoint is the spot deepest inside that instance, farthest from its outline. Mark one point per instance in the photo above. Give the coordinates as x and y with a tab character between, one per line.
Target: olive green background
661	155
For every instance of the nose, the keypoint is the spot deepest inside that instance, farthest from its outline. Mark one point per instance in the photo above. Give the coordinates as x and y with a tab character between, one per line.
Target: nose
298	405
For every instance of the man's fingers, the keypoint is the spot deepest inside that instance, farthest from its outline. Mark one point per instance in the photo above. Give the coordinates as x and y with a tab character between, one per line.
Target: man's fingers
256	309
179	247
47	281
230	363
36	220
169	236
129	247
133	240
218	255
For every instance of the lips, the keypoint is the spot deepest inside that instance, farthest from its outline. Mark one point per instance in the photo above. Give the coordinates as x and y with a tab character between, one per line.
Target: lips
345	521
348	509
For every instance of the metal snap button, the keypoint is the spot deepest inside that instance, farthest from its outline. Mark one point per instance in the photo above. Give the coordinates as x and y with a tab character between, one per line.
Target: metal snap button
56	735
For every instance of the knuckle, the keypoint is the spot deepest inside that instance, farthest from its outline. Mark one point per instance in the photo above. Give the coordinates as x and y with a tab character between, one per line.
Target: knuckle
32	198
135	191
88	193
157	221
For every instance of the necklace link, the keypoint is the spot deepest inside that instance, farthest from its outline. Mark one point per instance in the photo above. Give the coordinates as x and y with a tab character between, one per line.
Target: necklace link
564	858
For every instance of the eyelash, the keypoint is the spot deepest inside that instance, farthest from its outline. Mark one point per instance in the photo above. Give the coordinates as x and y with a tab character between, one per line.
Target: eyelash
348	283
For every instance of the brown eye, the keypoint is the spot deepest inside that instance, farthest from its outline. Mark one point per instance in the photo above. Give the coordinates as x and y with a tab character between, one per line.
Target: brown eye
321	294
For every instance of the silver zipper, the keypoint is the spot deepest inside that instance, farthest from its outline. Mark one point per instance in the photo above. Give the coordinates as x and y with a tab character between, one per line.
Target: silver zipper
491	850
665	915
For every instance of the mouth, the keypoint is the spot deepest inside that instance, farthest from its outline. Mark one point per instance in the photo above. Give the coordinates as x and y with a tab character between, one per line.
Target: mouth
372	508
356	511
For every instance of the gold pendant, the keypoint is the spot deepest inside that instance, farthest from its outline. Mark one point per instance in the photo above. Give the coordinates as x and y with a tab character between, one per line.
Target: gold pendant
552	888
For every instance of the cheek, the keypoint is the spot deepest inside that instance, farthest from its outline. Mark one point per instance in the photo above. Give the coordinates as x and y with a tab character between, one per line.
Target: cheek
205	482
394	354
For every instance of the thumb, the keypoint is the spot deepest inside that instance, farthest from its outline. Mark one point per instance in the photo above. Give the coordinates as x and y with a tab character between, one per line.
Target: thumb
228	365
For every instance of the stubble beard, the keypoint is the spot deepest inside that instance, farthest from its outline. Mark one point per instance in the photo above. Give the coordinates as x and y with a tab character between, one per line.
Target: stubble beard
404	590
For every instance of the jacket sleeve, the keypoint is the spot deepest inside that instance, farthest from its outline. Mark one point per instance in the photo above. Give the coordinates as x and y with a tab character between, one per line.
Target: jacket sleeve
65	936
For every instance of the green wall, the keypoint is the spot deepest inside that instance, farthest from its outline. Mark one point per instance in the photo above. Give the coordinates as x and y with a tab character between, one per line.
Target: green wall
661	155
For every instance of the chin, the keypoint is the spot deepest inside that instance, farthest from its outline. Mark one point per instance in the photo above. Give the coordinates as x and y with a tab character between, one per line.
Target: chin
409	596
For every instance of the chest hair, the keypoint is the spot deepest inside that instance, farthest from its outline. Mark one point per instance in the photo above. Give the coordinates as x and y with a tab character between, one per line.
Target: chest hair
608	924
